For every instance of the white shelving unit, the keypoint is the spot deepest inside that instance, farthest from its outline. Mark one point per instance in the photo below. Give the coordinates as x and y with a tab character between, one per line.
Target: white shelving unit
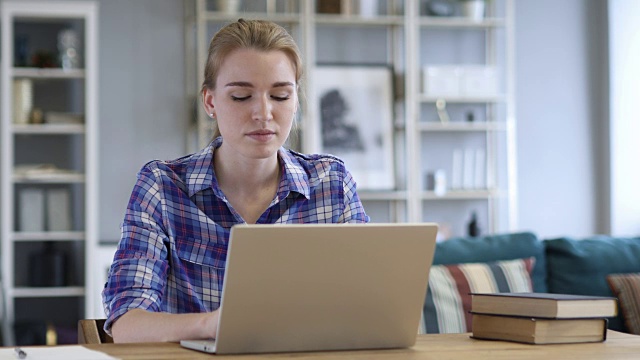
421	144
72	90
487	42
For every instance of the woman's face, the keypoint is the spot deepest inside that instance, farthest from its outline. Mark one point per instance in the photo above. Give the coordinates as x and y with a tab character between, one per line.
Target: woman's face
254	102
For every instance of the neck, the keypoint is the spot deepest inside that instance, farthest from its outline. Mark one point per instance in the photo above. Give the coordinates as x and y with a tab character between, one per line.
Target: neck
242	175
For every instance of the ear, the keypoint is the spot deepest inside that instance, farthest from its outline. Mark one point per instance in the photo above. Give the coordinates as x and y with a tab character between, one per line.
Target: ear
207	102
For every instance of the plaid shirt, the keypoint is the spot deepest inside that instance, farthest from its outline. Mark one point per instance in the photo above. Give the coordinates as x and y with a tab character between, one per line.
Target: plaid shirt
173	249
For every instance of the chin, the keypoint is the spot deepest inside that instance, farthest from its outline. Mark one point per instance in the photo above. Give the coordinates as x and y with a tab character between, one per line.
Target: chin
263	151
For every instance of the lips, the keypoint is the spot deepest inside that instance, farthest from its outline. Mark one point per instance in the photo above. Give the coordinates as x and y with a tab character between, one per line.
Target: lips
262	136
261	132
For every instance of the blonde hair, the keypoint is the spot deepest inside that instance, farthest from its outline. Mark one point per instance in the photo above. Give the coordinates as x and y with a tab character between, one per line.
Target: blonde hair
248	34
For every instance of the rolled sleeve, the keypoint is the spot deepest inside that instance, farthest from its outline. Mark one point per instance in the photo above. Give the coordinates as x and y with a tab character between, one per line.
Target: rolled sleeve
138	273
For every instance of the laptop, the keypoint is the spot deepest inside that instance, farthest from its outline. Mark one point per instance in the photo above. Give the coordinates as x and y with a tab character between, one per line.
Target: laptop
317	287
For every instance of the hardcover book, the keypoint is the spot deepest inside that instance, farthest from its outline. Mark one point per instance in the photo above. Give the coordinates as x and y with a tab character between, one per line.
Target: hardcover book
544	305
539	331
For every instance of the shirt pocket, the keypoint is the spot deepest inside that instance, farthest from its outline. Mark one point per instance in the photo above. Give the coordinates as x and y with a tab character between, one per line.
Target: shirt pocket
199	274
202	252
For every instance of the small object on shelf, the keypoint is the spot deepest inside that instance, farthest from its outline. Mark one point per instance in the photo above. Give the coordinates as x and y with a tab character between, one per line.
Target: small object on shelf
47	267
473	229
44	59
470	116
68	47
436	181
440	180
346	7
228	6
443	115
473	9
271	7
439	8
329	6
368	8
52	117
36	116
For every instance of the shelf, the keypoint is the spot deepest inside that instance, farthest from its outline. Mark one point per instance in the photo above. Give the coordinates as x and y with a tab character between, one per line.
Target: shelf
463	99
409	41
49	129
49	236
47	73
382	195
49	179
277	17
461	195
459	22
355	20
27	292
61	154
461	126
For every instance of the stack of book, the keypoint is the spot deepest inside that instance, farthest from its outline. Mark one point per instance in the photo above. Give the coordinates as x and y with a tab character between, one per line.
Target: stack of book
541	318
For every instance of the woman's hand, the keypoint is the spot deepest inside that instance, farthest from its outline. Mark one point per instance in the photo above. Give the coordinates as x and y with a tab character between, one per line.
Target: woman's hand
145	326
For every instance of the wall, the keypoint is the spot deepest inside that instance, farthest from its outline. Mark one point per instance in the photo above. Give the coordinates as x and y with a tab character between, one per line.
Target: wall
143	115
624	53
560	105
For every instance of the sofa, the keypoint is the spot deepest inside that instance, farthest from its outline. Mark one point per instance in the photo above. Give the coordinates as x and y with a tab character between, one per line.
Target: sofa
521	262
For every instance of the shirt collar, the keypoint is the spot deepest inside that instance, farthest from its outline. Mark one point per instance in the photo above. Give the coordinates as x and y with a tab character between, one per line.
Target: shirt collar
199	175
294	177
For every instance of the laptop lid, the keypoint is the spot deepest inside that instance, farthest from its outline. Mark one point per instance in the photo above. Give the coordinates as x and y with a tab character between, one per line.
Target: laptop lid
311	287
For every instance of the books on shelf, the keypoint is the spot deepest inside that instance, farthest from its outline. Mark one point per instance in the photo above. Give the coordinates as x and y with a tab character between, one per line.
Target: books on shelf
541	318
52	117
539	331
544	305
58	209
22	100
31	209
43	172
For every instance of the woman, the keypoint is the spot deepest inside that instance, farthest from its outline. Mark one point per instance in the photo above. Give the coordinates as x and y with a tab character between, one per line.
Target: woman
166	279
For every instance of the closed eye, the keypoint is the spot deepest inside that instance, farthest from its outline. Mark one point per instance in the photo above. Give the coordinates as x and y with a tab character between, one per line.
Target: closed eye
280	98
240	98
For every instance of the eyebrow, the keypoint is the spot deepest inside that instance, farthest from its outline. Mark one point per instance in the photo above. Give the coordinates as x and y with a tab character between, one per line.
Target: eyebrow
248	84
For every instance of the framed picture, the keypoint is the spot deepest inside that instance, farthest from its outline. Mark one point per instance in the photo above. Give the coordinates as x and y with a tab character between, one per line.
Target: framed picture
355	107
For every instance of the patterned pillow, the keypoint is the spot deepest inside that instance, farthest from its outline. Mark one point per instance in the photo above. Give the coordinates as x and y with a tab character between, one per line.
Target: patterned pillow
626	287
447	305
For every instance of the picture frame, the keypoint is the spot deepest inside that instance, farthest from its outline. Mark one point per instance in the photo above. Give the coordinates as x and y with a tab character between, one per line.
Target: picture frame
354	104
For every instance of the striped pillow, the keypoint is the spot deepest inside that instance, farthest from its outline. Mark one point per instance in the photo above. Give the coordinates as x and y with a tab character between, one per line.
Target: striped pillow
626	287
447	305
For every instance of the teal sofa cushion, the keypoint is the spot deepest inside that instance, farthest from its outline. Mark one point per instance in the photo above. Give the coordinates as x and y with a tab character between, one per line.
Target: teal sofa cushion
495	248
581	266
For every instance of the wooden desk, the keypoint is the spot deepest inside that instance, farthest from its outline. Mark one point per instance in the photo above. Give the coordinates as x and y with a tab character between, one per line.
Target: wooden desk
444	346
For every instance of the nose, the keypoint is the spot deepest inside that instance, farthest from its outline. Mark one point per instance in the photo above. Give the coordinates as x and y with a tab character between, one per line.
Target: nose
262	109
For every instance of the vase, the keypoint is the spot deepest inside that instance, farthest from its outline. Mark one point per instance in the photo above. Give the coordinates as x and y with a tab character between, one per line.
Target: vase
473	9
